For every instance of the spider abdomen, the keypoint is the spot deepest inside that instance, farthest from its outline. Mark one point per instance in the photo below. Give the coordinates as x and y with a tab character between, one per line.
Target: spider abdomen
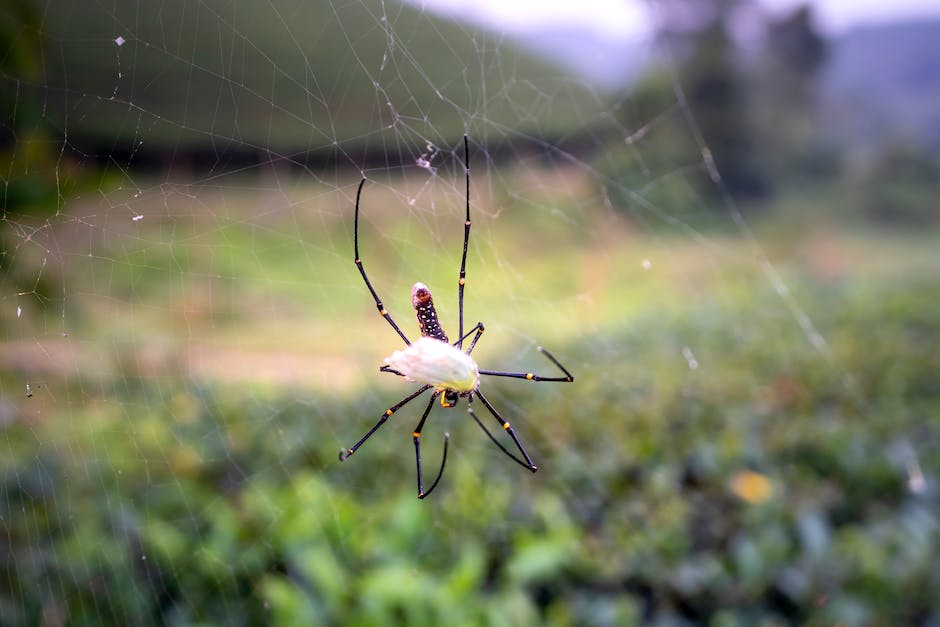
433	362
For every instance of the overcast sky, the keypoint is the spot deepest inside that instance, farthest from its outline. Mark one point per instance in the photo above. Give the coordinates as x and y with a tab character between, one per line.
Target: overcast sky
627	19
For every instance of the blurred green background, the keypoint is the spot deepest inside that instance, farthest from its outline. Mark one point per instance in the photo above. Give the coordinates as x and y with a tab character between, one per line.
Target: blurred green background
185	343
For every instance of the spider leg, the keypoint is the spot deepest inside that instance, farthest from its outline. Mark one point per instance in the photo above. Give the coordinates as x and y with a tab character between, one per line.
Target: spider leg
375	296
417	439
345	453
466	239
505	425
569	378
478	329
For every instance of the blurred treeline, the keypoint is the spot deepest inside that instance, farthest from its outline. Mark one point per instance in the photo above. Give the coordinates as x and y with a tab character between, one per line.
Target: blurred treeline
797	124
785	113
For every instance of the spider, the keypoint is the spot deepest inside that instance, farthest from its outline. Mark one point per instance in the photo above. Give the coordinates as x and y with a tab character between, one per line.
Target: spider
439	365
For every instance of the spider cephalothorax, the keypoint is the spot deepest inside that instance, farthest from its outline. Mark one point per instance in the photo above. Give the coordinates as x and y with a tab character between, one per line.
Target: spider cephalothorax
439	365
432	359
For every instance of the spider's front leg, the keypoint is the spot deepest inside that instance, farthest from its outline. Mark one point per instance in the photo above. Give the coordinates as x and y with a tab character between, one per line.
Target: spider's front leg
378	302
390	369
462	276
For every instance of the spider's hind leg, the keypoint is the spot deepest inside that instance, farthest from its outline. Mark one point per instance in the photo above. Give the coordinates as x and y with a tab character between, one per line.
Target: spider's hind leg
417	440
346	453
528	463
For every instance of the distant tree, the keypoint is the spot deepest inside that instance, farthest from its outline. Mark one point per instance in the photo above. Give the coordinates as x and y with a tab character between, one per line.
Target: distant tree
797	50
716	87
20	60
901	185
785	97
36	174
29	156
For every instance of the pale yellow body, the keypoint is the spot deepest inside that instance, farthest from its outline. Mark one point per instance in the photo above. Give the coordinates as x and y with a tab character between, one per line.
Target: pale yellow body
436	363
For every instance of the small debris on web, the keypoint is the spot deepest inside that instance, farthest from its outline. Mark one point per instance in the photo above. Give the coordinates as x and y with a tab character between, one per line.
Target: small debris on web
647	264
916	482
19	311
138	218
29	391
424	161
690	357
119	40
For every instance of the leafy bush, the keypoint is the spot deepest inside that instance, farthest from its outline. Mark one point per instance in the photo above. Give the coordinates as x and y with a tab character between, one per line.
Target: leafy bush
773	483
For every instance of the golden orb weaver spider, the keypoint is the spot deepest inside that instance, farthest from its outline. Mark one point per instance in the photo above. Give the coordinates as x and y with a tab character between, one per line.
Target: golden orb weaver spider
436	363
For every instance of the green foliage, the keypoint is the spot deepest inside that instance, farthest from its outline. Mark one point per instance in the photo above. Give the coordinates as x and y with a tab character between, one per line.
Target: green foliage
901	186
772	484
785	90
37	172
716	89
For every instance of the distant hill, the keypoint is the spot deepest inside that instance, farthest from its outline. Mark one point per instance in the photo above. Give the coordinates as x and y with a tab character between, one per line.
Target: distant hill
351	80
884	81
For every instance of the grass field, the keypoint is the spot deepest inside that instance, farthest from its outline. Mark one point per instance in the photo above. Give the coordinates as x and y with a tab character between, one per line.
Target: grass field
751	438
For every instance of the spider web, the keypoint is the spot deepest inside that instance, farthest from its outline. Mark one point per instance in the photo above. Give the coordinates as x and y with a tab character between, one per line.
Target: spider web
187	343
